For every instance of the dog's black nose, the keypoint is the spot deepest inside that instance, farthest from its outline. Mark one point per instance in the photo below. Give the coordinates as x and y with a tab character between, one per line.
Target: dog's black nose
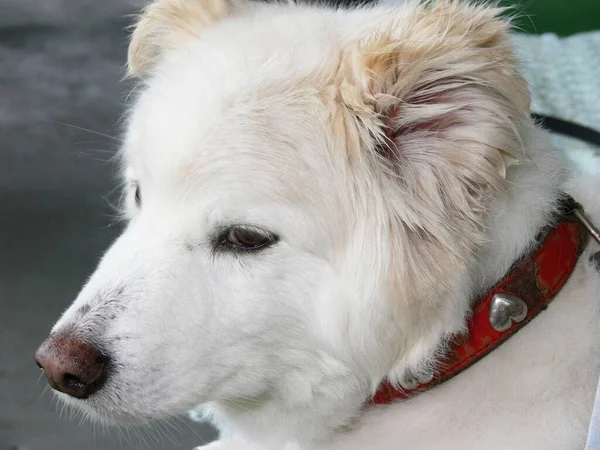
71	365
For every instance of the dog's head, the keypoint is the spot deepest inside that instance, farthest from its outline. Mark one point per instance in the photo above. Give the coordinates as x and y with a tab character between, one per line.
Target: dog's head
304	190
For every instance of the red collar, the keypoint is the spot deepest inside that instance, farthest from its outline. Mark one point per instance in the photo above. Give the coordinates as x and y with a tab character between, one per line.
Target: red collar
525	291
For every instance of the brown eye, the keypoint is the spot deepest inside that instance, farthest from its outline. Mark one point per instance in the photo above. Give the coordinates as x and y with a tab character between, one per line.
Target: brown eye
239	239
248	238
138	196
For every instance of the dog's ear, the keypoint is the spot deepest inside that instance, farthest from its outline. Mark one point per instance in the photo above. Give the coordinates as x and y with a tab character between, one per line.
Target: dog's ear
442	105
166	24
440	110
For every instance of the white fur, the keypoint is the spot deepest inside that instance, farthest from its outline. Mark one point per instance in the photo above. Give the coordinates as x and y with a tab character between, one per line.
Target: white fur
265	117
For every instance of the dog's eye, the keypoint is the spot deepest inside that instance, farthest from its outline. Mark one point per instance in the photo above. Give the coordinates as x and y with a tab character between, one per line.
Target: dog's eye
243	237
248	237
138	196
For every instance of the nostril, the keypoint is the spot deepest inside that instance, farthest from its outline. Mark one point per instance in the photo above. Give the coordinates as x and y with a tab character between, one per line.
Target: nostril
73	383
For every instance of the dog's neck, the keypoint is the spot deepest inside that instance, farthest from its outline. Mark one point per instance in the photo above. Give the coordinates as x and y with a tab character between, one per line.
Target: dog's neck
516	217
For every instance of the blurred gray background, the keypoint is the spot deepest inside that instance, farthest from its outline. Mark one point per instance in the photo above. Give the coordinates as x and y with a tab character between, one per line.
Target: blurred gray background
61	62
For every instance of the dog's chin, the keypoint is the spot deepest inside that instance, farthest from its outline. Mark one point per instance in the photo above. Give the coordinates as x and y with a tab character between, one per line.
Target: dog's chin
96	409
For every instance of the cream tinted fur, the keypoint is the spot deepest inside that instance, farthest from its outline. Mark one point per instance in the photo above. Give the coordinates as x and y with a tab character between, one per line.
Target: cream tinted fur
392	152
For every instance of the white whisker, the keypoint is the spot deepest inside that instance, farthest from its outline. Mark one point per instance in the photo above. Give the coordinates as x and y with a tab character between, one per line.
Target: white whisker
86	129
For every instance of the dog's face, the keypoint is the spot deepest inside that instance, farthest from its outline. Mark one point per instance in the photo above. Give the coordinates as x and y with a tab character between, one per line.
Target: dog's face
287	221
213	290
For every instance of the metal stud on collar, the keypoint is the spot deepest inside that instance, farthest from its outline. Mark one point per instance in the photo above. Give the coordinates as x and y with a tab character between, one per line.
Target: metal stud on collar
505	310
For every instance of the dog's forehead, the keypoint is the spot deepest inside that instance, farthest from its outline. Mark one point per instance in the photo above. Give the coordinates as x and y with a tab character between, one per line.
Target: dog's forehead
240	105
258	135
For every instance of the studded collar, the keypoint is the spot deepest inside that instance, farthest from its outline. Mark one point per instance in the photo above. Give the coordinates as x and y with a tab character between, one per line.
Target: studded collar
526	290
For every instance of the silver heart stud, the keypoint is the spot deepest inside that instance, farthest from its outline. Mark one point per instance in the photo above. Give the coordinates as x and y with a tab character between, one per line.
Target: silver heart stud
505	310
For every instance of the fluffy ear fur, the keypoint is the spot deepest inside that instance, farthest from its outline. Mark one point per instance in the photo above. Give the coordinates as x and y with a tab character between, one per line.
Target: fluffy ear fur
441	110
165	24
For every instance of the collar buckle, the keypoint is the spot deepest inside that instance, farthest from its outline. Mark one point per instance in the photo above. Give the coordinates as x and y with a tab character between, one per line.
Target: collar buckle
587	223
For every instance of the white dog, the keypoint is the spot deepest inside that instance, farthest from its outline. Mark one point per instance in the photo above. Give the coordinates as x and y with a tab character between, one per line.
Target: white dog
316	199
